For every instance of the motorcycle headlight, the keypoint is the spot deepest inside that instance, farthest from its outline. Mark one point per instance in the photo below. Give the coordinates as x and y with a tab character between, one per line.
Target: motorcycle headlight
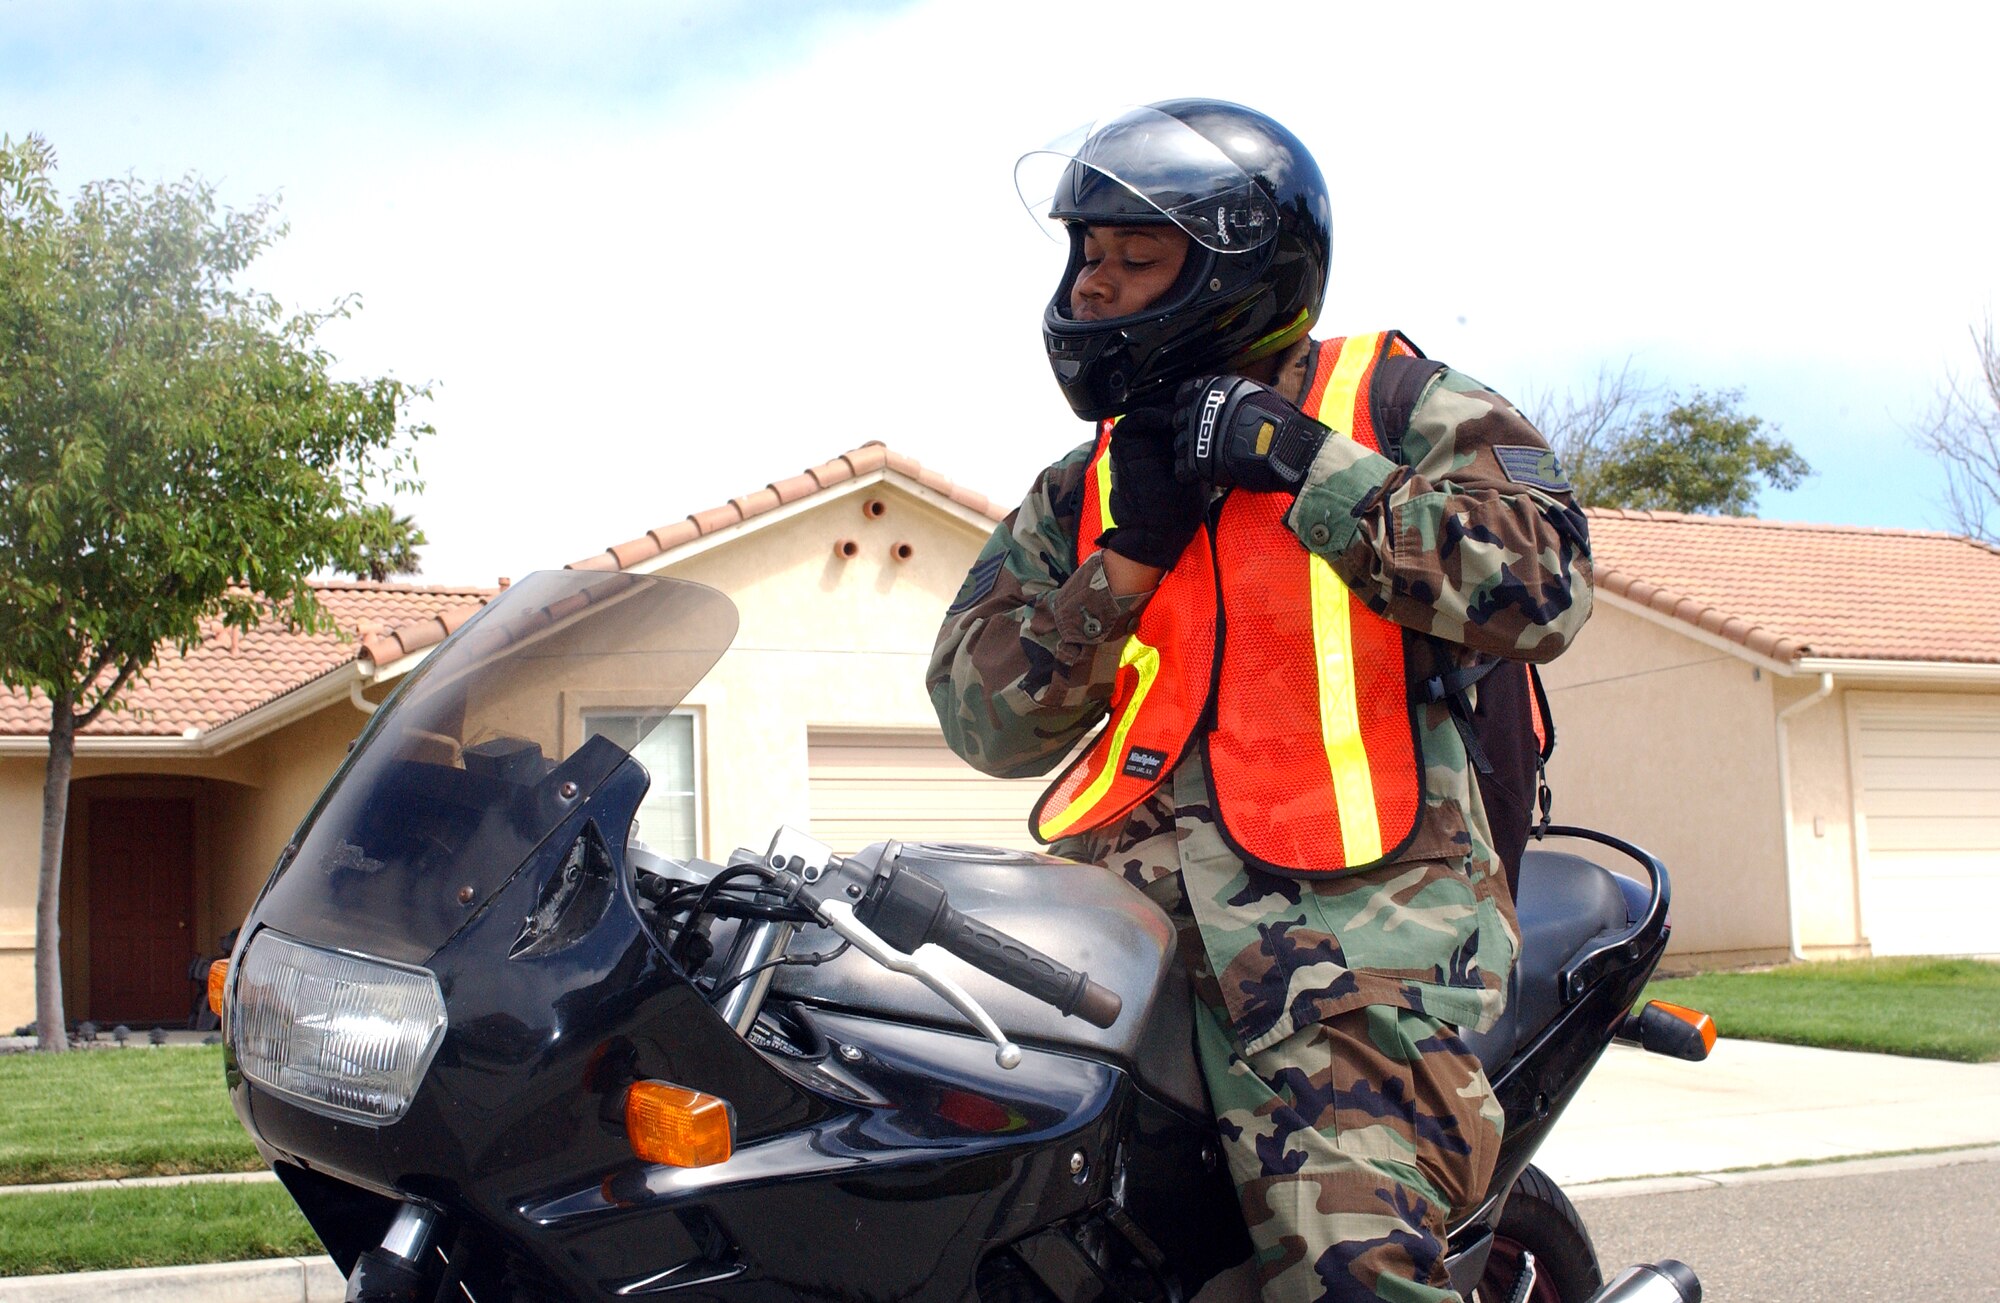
341	1034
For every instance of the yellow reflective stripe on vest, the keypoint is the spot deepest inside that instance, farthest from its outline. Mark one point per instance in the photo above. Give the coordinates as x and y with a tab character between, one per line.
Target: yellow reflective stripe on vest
1146	660
1100	470
1104	522
1333	641
1337	407
1340	716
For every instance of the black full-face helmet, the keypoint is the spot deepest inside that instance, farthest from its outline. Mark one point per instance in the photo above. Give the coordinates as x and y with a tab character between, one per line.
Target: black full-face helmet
1255	210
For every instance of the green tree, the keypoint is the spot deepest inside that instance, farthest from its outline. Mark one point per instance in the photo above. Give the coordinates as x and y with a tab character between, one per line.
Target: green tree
173	450
1627	444
1699	455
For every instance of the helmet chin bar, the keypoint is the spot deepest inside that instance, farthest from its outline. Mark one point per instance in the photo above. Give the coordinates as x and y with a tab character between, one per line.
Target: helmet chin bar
1104	368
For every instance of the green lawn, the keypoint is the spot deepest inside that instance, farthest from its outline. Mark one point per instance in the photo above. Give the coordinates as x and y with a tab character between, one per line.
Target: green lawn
92	1114
1925	1008
157	1226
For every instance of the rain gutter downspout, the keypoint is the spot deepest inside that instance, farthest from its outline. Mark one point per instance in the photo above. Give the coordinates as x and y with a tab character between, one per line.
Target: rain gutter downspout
1785	802
368	707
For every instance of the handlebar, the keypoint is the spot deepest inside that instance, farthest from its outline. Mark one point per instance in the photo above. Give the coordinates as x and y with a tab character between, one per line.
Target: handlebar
908	909
889	913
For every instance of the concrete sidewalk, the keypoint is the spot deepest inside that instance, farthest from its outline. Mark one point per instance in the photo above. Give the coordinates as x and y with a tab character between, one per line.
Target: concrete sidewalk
1639	1118
1756	1105
273	1280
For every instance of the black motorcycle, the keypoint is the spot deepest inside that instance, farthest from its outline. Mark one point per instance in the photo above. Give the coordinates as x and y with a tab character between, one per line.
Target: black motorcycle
497	1049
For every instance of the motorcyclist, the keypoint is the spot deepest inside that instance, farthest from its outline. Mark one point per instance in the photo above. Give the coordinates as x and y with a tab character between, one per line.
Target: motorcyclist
1300	805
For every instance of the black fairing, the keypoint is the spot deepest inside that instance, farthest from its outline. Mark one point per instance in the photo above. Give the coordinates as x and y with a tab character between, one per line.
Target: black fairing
911	1137
887	1134
937	1159
526	1090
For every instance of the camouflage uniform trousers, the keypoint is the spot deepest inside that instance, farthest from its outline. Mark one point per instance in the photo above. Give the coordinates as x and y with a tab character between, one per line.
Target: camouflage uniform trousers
1352	1143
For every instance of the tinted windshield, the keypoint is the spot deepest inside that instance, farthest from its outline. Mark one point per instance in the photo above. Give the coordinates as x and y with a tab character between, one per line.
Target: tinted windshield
463	771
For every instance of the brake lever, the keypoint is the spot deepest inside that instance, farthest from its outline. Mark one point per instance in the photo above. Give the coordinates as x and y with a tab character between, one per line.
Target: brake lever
839	916
829	885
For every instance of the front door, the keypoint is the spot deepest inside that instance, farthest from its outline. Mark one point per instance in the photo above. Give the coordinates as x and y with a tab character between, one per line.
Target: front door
141	909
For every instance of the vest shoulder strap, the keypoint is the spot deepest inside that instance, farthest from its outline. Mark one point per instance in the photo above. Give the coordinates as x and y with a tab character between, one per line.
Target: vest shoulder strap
1392	397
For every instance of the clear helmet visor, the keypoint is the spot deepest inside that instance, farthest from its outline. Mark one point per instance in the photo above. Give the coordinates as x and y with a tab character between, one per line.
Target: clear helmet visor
1143	165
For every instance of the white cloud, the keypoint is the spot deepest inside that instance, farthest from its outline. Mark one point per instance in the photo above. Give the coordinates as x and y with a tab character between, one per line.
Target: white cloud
641	299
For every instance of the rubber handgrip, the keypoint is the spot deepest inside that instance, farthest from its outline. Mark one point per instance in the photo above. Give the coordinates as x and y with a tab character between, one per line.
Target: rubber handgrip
1099	1005
1025	968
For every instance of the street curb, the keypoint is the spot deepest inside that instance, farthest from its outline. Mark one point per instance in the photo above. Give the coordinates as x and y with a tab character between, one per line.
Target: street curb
272	1280
1682	1184
316	1280
141	1182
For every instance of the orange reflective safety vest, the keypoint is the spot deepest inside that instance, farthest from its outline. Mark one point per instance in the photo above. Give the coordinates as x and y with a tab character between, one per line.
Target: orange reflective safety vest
1254	649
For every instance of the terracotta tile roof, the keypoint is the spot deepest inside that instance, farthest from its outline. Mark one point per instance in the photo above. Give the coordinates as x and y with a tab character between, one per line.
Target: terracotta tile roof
391	642
1791	590
230	674
868	458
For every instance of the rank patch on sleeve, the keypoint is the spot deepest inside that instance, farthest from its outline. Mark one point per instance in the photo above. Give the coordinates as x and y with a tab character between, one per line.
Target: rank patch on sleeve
1536	467
978	583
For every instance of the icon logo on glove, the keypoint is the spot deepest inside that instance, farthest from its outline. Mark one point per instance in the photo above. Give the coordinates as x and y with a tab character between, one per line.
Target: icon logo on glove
1211	406
1233	431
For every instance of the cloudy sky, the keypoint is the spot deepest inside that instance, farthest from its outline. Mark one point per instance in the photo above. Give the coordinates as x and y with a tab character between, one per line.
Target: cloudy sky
656	254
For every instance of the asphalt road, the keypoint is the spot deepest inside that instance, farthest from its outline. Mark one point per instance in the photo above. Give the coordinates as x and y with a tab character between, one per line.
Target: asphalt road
1890	1236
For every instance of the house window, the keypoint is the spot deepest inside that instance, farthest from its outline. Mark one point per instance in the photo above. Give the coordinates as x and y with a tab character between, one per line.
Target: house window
670	816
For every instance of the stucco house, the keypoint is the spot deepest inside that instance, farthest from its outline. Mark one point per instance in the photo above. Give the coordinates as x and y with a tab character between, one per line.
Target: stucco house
816	717
1802	721
180	802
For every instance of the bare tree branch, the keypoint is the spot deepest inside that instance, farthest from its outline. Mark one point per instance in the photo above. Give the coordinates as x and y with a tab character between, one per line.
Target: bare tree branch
1585	430
1962	432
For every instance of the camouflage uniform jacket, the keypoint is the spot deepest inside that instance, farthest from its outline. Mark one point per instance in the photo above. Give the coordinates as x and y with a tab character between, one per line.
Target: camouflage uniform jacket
1451	545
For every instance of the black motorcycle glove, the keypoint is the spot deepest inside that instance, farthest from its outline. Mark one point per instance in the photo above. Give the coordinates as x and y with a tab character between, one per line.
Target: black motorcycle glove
1233	431
1153	514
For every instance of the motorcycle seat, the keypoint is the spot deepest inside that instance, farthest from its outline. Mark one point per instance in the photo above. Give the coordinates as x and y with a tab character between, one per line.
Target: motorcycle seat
1564	903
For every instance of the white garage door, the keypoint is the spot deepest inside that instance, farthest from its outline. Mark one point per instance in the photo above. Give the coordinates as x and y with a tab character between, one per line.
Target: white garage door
872	786
1930	815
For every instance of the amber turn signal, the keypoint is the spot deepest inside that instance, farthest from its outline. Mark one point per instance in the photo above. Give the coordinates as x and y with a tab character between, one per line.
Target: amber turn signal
1670	1029
218	975
676	1126
1704	1026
